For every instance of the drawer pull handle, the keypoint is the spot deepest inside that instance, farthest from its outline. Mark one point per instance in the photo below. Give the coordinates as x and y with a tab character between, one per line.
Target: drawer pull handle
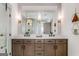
38	41
49	41
39	47
17	41
28	41
61	41
39	53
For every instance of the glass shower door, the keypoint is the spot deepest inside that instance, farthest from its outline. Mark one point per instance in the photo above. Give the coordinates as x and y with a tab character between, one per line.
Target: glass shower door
2	29
5	29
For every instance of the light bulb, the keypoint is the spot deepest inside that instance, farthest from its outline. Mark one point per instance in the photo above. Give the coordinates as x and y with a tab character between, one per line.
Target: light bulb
39	16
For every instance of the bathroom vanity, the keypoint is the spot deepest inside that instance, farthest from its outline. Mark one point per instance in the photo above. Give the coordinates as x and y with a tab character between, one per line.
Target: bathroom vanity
40	46
45	42
46	27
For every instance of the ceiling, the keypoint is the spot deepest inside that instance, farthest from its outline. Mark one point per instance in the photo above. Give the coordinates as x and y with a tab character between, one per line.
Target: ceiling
38	6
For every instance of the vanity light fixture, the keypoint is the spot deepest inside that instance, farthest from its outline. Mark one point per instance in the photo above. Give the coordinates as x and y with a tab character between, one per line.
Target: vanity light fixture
18	17
19	21
59	16
39	16
59	21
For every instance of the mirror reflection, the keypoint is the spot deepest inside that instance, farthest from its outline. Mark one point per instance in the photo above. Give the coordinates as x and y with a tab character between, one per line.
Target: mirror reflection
38	22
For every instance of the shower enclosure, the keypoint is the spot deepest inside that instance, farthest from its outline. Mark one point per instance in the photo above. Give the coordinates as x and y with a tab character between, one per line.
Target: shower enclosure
5	28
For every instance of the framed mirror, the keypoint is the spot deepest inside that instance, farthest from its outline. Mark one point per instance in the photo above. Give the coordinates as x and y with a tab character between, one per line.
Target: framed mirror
36	22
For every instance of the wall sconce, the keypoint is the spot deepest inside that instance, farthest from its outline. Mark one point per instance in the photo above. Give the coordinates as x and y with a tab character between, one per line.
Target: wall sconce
61	16
19	21
39	16
18	17
59	21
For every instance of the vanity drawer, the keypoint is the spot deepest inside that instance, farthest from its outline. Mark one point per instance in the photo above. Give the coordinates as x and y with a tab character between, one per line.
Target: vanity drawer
39	41
39	46
29	41
49	41
61	41
17	40
39	53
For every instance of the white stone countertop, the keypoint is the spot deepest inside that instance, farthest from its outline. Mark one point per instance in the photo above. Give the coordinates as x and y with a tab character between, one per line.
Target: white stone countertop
35	37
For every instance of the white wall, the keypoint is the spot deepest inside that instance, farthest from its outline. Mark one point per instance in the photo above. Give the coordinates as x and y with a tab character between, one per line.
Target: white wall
14	22
73	40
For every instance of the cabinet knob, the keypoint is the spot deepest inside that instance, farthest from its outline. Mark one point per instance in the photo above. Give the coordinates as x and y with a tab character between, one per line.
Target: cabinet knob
55	46
23	46
39	47
17	41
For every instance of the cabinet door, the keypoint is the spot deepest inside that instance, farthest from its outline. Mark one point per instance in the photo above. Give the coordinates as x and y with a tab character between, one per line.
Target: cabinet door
39	52
61	50
17	50
49	50
39	49
29	49
39	46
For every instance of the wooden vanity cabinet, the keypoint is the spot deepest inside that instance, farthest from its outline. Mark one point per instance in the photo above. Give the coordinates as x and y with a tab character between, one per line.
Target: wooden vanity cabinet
28	47
17	49
39	47
49	47
21	47
61	47
49	50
